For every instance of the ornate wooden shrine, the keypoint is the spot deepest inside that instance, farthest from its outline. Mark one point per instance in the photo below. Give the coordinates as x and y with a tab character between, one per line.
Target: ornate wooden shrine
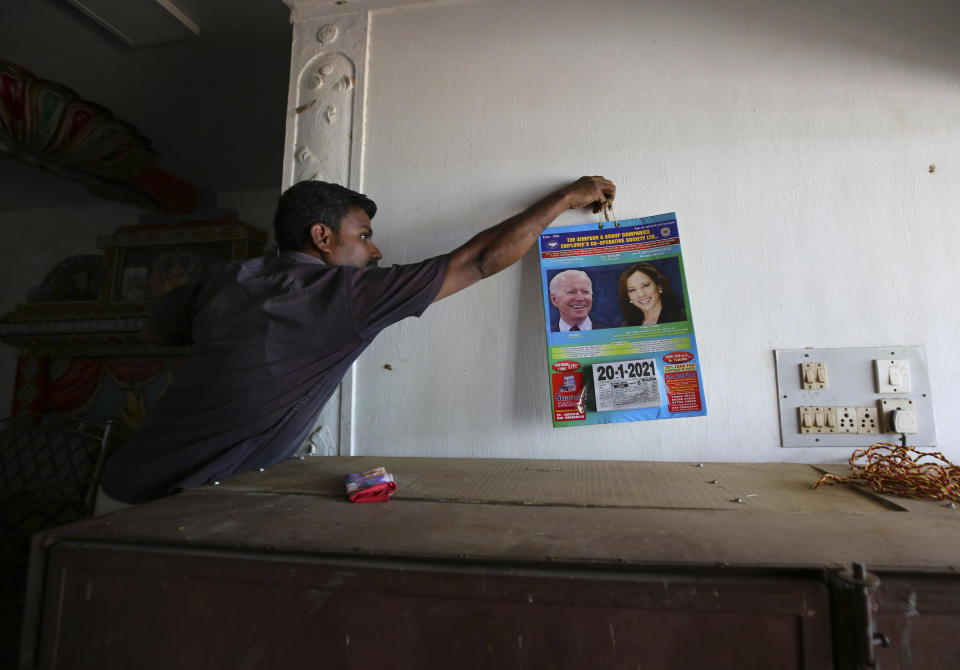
82	351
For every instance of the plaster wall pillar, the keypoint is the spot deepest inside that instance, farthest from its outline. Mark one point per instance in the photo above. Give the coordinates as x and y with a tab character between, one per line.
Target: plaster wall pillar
326	105
324	141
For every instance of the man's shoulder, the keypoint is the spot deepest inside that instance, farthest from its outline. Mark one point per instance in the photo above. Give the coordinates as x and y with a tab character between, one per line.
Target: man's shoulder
280	268
296	272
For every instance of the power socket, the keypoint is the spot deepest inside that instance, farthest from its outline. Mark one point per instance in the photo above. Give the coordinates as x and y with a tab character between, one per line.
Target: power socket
887	408
867	423
847	420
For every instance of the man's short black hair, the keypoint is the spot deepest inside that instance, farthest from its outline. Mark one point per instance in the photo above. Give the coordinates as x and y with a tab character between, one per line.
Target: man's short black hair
309	202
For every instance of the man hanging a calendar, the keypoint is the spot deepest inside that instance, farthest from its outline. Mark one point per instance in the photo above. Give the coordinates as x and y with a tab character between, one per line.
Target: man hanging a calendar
274	336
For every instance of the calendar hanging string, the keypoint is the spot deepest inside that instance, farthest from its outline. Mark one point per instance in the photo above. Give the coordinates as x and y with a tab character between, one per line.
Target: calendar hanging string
605	212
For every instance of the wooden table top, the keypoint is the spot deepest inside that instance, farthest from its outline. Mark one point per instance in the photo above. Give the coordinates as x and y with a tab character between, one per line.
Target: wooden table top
558	513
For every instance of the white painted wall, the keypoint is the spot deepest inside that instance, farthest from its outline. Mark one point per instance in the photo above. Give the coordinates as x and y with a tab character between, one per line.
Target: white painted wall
792	139
32	241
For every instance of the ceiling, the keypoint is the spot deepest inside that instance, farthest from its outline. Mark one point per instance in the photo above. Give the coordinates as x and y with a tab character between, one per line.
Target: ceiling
213	107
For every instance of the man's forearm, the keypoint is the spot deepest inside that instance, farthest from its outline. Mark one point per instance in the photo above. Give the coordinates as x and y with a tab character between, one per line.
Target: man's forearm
502	245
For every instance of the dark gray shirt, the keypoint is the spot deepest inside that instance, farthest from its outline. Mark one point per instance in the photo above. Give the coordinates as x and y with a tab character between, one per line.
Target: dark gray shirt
272	339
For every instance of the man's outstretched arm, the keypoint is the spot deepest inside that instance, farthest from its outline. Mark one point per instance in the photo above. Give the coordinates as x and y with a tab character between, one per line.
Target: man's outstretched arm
503	245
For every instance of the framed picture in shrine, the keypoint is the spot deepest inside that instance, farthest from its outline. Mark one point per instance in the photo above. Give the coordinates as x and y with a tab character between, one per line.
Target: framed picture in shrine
144	274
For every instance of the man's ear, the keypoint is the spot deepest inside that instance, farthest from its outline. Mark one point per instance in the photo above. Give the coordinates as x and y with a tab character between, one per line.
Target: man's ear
322	237
553	301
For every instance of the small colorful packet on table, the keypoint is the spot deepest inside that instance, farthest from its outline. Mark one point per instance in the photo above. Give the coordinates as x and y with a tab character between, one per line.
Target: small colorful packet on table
372	486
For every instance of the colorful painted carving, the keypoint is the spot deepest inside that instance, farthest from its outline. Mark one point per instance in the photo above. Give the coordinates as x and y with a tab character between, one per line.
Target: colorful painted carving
47	124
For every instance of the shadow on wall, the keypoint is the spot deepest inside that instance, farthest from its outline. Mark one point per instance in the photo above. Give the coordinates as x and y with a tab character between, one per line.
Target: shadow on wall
923	34
531	355
919	33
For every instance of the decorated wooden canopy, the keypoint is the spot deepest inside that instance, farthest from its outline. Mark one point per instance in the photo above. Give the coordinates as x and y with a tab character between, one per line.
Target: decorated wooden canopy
47	124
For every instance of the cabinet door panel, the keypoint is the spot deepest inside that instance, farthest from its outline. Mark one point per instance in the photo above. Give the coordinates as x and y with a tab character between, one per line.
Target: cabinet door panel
108	606
921	617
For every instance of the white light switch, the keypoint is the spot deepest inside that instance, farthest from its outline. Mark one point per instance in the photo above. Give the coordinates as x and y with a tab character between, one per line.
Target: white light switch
893	376
814	375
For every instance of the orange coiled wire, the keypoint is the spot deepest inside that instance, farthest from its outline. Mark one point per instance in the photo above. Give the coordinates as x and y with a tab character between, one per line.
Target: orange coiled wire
894	469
